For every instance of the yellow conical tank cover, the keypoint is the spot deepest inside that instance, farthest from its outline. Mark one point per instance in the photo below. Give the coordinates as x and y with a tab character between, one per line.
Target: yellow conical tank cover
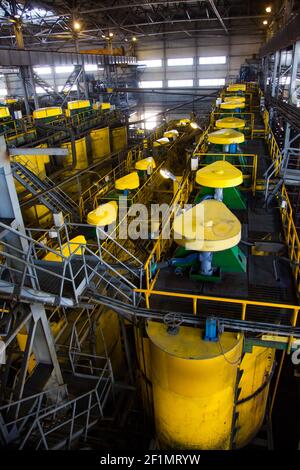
171	134
74	245
161	142
130	181
237	99
105	214
183	122
208	226
230	123
225	137
237	87
219	174
145	164
231	105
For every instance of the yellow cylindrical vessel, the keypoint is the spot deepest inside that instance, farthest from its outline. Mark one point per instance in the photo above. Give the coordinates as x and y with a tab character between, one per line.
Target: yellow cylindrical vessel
108	339
193	387
81	154
100	143
119	138
256	370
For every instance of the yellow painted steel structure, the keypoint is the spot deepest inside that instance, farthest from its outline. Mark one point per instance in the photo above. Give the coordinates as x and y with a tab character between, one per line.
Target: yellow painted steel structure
119	138
193	385
100	143
81	154
105	106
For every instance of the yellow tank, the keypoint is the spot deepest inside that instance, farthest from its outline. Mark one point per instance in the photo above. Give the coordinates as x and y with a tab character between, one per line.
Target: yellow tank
81	154
44	113
38	216
105	106
108	339
100	143
256	368
193	385
4	112
119	138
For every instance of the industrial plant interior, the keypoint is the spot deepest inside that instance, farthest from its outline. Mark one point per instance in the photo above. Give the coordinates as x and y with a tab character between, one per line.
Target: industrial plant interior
149	225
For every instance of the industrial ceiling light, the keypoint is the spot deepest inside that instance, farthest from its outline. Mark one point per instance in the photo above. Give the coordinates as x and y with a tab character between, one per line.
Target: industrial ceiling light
134	38
76	25
265	22
167	174
111	35
103	36
268	9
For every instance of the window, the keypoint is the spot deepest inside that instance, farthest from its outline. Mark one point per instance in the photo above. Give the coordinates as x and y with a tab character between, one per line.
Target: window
151	120
284	80
212	82
42	70
151	63
174	83
91	67
39	90
221	59
3	91
74	88
184	61
151	84
64	69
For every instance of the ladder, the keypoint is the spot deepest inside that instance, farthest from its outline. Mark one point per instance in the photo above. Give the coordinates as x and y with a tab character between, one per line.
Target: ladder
49	89
71	81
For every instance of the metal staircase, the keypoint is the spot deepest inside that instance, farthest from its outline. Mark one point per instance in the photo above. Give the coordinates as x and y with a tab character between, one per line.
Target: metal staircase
71	81
49	89
285	169
55	199
97	267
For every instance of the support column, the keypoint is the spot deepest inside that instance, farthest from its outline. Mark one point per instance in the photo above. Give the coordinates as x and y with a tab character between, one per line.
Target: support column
294	70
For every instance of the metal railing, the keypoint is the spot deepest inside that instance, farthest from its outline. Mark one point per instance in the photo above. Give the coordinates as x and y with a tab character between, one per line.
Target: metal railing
57	428
197	302
163	243
69	275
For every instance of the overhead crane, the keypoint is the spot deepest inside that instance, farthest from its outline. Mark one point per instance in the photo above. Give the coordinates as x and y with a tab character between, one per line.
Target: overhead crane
205	334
